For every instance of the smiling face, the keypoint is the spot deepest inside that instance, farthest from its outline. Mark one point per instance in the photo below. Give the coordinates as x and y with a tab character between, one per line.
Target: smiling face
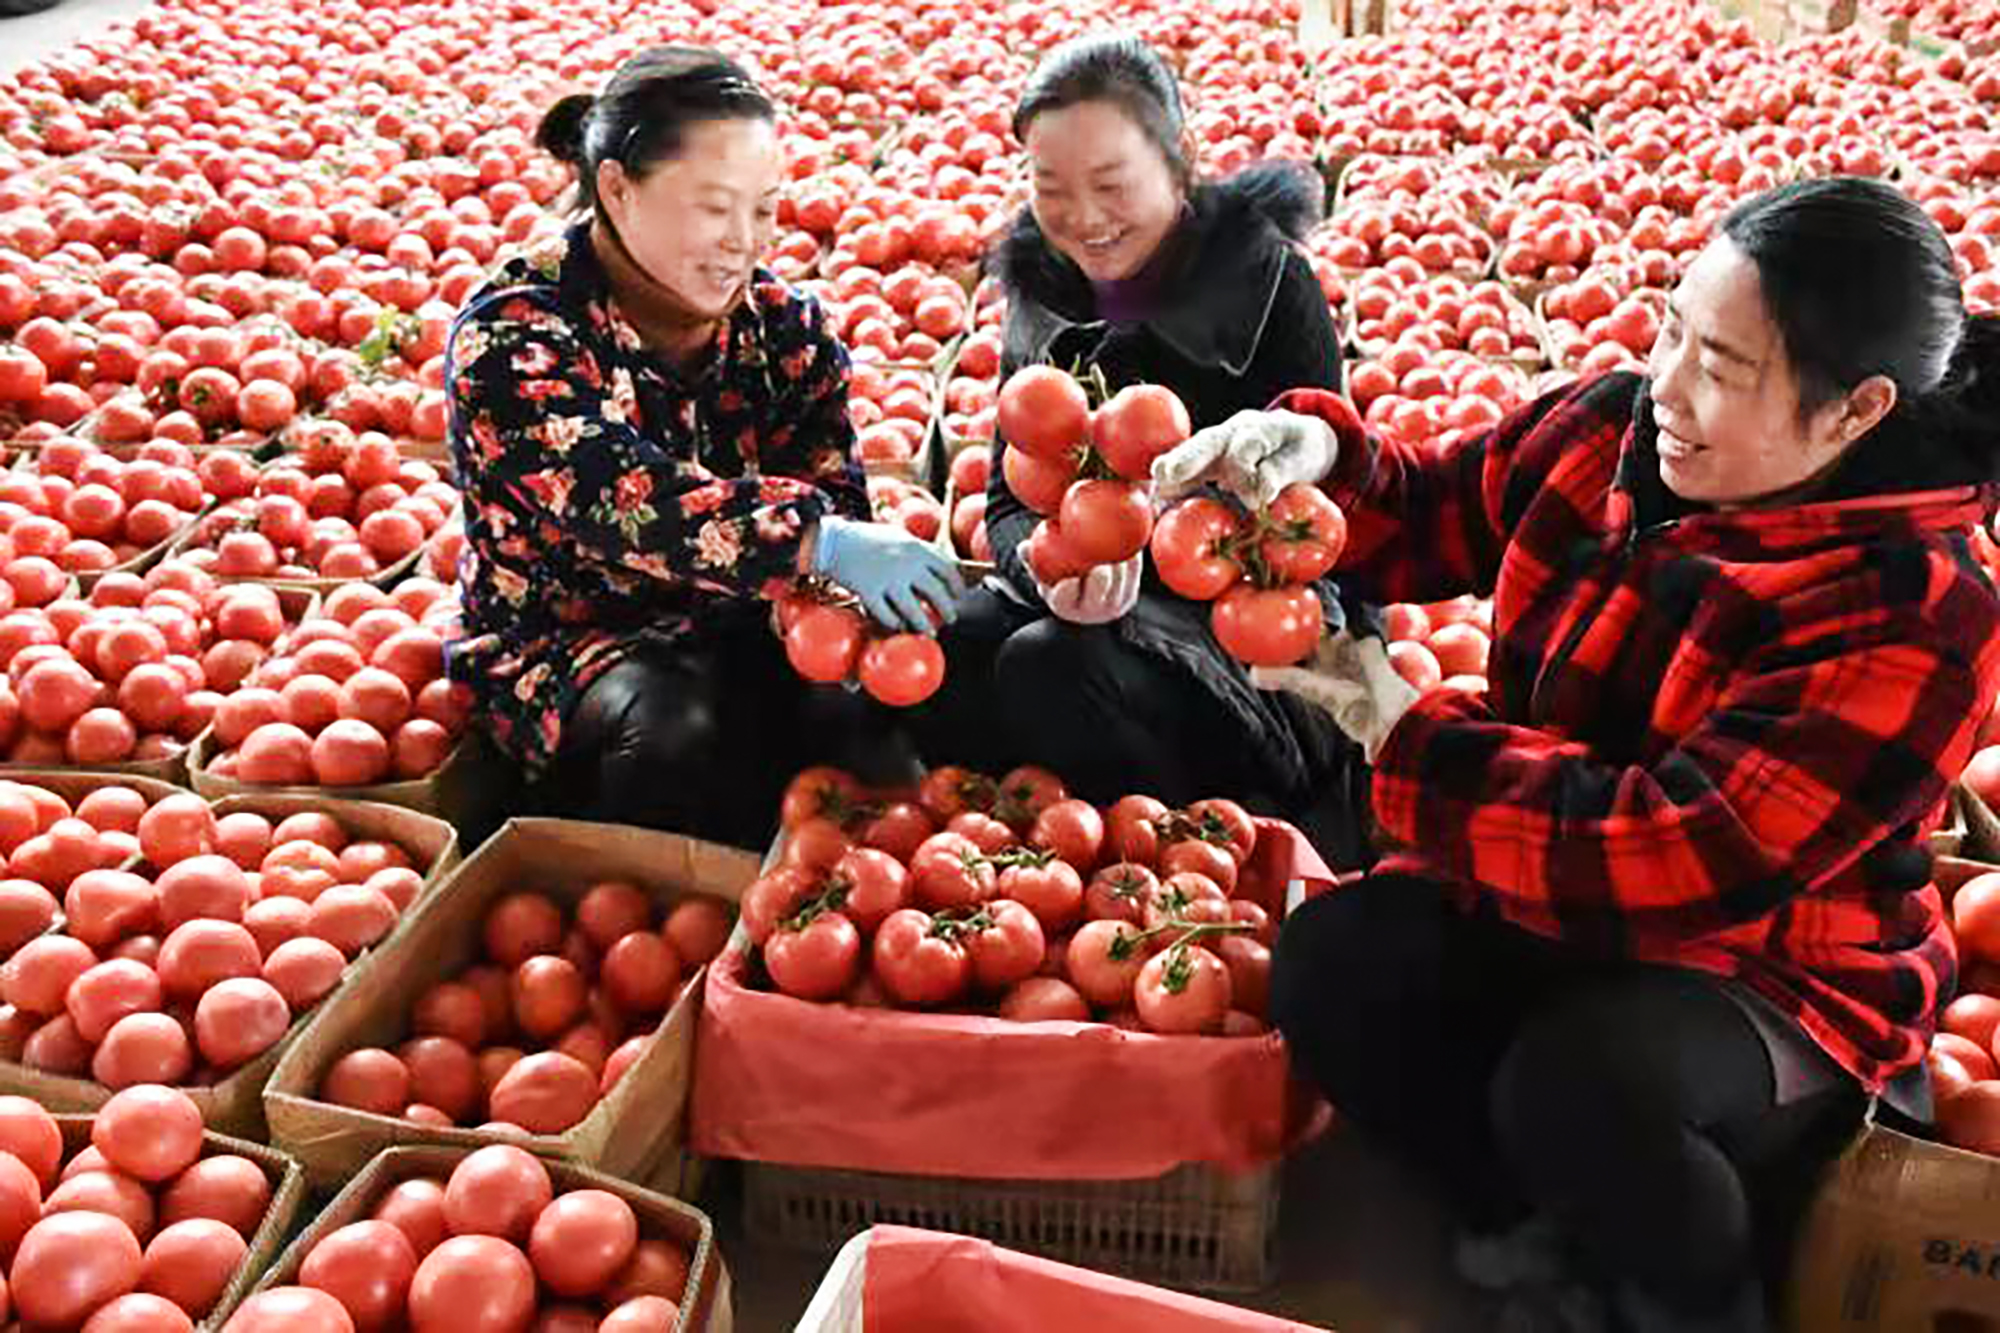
1727	399
698	222
1104	194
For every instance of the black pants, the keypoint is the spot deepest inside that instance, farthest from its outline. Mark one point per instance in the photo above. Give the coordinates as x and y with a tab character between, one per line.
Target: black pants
702	739
1025	687
1635	1105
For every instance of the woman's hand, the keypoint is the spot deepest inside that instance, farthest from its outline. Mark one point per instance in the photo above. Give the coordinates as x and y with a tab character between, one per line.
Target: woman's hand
1102	595
1253	456
1354	681
899	578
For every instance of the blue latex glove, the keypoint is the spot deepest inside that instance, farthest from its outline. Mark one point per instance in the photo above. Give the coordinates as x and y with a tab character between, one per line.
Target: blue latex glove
892	572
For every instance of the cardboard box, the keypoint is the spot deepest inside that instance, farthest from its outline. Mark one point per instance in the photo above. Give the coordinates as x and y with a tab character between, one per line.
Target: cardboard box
659	1217
235	1105
1904	1236
637	1131
288	1187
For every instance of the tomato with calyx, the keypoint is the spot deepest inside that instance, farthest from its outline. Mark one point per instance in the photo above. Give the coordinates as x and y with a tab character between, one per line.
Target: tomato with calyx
1307	533
949	870
1184	990
815	955
1043	412
821	792
1006	944
920	960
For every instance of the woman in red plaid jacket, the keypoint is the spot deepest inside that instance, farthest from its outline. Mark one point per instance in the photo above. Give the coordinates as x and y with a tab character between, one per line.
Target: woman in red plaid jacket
1660	919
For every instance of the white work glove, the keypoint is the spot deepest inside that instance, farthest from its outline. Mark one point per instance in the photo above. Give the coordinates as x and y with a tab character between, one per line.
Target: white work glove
1099	597
1353	680
1253	456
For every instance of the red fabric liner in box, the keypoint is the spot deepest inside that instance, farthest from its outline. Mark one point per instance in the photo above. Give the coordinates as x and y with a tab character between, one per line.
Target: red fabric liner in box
931	1282
825	1085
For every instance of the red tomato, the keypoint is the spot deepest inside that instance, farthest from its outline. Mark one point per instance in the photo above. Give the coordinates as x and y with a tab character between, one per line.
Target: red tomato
1131	829
1225	823
367	1080
143	1048
950	871
549	995
1044	999
368	1268
1197	857
1005	943
20	1204
304	971
820	792
918	964
1309	533
110	1192
1973	1017
698	928
815	844
816	961
1104	962
1137	425
1105	522
774	897
545	1094
871	884
416	1208
520	926
1073	830
824	643
1052	890
612	910
902	670
582	1240
1188	545
950	791
899	830
443	1075
1184	990
1971	1120
642	973
1978	1060
192	1263
1038	483
139	1313
69	1265
226	1188
1026	792
1121	892
497	1191
657	1268
986	833
1975	914
1249	964
1268	626
1254	916
149	1132
642	1314
1043	412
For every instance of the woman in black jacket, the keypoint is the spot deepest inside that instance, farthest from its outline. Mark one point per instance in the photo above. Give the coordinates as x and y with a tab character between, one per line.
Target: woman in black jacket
1125	264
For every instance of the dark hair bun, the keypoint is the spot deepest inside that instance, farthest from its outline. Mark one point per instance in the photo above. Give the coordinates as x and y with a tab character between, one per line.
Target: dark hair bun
562	129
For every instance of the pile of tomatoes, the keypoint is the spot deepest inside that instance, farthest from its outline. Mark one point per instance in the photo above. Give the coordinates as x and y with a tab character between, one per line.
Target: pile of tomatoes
537	1034
1012	898
195	960
493	1247
145	1229
1258	569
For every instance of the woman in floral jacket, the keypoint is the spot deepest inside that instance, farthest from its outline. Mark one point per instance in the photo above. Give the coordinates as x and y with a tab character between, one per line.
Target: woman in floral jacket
653	437
1660	918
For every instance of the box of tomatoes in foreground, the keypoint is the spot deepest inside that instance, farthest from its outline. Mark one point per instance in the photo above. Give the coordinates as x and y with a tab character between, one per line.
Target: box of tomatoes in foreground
703	1305
634	1122
852	1113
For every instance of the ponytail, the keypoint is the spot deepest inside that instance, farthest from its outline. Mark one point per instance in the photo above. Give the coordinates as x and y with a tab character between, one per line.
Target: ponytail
561	133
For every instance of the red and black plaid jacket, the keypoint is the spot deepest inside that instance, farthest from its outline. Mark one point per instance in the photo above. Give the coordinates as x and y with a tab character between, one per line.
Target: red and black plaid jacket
1714	739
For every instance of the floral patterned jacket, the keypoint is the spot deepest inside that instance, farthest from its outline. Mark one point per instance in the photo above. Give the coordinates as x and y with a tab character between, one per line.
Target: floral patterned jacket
611	500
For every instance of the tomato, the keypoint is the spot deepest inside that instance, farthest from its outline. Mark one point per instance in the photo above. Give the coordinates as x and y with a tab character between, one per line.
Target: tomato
642	1314
1005	943
1251	914
1104	962
227	1189
520	926
950	791
1268	626
1249	964
1106	522
698	928
919	964
1051	557
642	973
872	884
1194	856
138	1312
1043	412
774	897
1073	830
985	832
20	1204
1026	792
1121	892
824	643
1184	990
817	960
1188	542
1052	890
149	1132
71	1264
497	1191
815	845
1040	484
1309	533
657	1268
902	670
416	1208
1975	913
548	1093
1138	424
369	1079
290	1310
1226	823
948	871
1042	1000
367	1267
899	830
473	1284
582	1240
821	793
